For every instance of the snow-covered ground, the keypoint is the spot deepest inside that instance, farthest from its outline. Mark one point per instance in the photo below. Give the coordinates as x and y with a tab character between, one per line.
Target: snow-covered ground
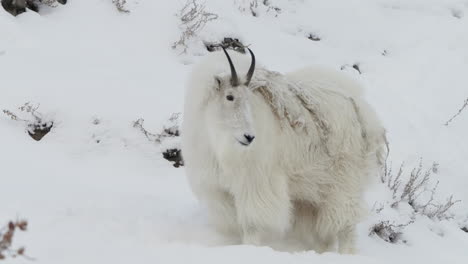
95	190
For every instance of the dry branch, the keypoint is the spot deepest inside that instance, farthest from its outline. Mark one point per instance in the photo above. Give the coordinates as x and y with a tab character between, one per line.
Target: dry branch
465	105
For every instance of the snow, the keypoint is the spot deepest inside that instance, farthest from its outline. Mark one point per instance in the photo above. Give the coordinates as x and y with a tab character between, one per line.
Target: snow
119	201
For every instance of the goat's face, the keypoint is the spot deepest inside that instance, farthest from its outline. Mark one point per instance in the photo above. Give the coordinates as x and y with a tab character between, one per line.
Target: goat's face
231	115
231	110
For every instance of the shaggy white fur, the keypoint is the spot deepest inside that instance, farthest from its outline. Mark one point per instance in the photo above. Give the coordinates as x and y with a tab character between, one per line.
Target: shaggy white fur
316	144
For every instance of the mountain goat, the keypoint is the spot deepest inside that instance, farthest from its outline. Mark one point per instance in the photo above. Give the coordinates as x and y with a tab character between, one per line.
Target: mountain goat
272	154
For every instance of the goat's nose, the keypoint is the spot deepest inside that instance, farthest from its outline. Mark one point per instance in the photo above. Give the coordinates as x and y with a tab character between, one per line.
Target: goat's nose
249	138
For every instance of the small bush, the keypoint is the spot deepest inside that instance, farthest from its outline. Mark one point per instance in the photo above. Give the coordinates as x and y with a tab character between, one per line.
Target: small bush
6	239
389	232
170	133
37	125
411	190
171	130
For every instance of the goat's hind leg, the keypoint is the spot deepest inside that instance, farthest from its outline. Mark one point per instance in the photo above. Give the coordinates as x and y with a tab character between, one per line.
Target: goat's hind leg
304	229
337	222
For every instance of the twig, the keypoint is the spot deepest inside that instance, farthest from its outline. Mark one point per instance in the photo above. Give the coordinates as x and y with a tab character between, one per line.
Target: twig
465	105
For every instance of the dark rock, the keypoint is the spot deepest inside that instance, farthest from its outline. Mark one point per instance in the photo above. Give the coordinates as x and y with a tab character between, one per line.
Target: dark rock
313	37
20	6
356	67
227	43
174	155
38	130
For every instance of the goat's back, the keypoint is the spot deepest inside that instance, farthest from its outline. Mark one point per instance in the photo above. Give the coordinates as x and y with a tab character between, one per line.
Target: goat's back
326	78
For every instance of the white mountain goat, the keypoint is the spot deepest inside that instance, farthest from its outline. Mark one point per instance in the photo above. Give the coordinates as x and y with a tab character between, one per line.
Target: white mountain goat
271	154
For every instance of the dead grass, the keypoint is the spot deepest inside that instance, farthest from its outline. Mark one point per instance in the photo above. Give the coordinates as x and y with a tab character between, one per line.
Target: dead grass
6	240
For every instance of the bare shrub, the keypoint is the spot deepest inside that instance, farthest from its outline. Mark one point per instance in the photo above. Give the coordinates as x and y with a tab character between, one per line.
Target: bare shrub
389	231
171	153
37	125
414	188
193	19
464	106
410	190
120	5
172	130
6	239
150	136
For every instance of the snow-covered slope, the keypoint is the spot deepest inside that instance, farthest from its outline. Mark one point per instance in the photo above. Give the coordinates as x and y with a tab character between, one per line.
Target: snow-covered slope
95	190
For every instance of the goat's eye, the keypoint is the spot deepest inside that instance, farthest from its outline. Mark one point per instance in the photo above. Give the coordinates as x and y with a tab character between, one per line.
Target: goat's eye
230	98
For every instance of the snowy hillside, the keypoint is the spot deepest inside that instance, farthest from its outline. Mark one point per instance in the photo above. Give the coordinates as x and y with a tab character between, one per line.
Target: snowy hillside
96	189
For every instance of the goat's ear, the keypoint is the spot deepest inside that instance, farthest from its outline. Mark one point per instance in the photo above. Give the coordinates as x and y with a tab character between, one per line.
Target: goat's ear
218	83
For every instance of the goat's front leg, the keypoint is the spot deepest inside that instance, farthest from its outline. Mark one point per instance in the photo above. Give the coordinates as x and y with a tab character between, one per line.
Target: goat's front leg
263	207
222	212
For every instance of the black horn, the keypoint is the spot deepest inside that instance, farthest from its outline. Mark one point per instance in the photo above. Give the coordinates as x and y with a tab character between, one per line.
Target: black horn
234	79
251	69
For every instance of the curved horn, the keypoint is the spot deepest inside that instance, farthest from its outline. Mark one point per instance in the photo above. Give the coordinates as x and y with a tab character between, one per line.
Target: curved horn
234	79
251	69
